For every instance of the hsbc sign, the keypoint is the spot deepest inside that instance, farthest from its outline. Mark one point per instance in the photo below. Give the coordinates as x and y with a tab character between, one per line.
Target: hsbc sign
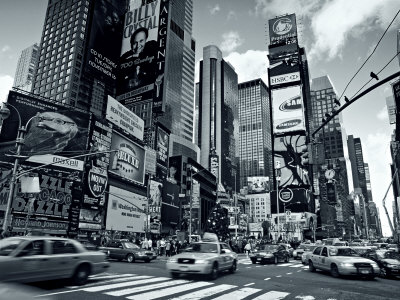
285	78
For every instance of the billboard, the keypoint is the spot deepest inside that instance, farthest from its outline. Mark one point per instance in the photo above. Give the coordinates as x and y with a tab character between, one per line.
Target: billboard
284	69
155	190
214	166
151	161
104	45
100	140
287	150
91	219
51	129
143	53
396	94
175	170
170	204
258	184
288	108
125	210
125	119
283	30
391	107
129	161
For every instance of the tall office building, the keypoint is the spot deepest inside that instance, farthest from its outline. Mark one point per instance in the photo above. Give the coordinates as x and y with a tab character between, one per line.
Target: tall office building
218	118
26	68
255	148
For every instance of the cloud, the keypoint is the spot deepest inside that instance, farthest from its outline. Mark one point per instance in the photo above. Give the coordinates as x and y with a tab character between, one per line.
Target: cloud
6	82
231	15
5	48
273	8
249	65
230	41
383	114
215	9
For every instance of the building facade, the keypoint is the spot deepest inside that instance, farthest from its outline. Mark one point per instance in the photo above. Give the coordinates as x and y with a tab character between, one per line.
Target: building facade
26	68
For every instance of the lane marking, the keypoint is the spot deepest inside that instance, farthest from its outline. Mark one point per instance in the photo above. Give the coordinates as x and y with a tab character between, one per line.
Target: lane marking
146	279
285	265
249	284
272	295
105	281
238	295
296	266
279	276
289	273
206	292
267	278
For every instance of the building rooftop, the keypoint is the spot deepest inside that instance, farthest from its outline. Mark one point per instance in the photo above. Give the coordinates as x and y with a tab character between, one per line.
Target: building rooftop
322	83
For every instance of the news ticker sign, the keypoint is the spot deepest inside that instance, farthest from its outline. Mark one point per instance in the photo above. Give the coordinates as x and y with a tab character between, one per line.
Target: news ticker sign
285	78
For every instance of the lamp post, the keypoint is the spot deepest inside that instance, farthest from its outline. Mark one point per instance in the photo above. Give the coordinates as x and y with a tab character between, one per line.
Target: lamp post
278	178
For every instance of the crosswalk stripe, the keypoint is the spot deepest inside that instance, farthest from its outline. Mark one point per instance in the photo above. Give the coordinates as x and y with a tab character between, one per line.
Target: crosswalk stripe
238	295
272	295
110	276
296	266
285	265
169	291
206	292
146	288
145	279
106	281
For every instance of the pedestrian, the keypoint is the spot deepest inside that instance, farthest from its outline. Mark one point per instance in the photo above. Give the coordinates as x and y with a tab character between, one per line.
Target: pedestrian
163	244
158	247
247	248
150	244
178	247
168	248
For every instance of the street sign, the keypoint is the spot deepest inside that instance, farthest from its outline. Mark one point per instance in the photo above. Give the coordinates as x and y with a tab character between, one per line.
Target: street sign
286	195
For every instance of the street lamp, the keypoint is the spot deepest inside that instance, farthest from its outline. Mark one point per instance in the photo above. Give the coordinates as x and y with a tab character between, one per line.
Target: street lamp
278	178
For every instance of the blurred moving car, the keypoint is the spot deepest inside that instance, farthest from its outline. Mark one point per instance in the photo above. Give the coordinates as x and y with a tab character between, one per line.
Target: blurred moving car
269	253
125	250
361	249
340	244
342	261
88	245
307	254
288	249
380	245
393	247
387	260
36	258
207	257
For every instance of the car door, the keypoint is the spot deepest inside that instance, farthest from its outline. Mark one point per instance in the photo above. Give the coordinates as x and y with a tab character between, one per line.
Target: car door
227	256
315	257
65	257
323	259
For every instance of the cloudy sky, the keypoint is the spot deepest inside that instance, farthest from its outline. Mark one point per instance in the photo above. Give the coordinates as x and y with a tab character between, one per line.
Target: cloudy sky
338	36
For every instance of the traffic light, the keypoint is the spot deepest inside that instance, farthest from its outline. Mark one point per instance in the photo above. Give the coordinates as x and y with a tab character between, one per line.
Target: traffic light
306	151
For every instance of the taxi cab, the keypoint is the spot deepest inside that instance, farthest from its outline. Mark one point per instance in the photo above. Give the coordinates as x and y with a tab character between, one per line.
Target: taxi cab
342	261
208	257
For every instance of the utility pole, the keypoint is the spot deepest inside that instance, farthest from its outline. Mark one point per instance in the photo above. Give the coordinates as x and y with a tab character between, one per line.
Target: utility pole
278	178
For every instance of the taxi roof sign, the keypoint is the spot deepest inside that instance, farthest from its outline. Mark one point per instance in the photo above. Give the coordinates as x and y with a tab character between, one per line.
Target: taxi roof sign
209	237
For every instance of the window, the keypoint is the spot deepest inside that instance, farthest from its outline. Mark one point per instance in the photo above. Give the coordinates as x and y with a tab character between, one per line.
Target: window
63	247
33	248
325	252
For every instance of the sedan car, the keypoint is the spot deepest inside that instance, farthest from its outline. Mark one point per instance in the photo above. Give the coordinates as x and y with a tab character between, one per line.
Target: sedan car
269	253
342	261
305	257
288	249
298	252
35	258
125	250
387	260
207	258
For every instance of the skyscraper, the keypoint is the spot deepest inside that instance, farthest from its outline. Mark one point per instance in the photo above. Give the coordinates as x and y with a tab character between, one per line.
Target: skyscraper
26	68
218	117
255	147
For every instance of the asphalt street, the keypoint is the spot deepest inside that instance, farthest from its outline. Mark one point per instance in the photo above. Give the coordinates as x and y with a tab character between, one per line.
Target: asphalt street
291	280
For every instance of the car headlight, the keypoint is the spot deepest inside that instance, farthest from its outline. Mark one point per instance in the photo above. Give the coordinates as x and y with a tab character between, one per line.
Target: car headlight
294	252
201	261
141	253
172	260
346	264
391	265
375	266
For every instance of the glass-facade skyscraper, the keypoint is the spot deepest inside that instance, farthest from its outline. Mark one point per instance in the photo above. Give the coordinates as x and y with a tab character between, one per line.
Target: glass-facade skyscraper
255	148
26	68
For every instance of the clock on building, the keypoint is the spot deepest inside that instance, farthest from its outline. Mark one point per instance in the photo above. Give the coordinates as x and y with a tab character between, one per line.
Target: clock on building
329	174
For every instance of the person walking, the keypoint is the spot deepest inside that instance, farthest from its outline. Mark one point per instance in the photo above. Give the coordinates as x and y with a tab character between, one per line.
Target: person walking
162	246
247	248
168	248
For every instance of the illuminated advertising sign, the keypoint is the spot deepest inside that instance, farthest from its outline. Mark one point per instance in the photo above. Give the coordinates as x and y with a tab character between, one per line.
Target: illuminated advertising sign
288	113
283	30
155	199
214	166
391	107
162	147
170	204
143	53
151	161
258	184
129	161
104	46
175	169
91	219
125	210
396	94
287	151
127	120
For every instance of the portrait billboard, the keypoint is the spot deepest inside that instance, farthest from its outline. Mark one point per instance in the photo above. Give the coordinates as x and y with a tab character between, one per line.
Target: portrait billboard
287	107
288	151
124	118
170	204
104	45
283	30
151	161
50	128
155	190
125	210
128	162
175	170
143	53
258	184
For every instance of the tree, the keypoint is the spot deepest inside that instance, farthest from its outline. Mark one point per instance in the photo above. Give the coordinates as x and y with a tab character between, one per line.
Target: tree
218	222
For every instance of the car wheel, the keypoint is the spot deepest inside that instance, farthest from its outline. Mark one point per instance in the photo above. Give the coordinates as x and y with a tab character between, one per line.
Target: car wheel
130	258
276	260
81	275
253	261
311	266
335	271
287	259
384	273
233	267
214	272
147	260
174	275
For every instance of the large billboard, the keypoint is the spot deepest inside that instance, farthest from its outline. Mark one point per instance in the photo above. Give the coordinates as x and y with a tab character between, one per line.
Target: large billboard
125	210
283	30
170	204
284	69
258	184
143	53
104	45
128	162
162	148
175	170
51	129
288	151
155	191
288	110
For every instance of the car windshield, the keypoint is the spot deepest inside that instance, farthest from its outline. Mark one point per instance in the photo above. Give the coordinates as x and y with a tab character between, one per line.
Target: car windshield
309	248
361	250
202	248
392	255
267	247
131	246
9	245
343	252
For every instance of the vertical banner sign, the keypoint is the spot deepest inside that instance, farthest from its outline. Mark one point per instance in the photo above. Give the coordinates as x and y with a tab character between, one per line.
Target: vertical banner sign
100	140
214	166
162	153
396	94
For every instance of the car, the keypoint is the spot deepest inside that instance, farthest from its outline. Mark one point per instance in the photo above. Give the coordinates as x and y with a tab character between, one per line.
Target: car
88	245
362	249
288	248
38	258
208	257
298	252
342	261
341	243
394	247
307	253
125	250
380	245
269	253
387	260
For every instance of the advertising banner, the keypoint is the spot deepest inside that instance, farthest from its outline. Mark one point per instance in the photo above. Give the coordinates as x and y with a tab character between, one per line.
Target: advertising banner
127	120
128	162
391	107
125	210
170	204
155	200
175	170
284	69
396	93
5	177
288	115
162	147
287	151
283	30
299	202
105	38
100	140
258	184
151	161
51	129
143	53
214	166
91	219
